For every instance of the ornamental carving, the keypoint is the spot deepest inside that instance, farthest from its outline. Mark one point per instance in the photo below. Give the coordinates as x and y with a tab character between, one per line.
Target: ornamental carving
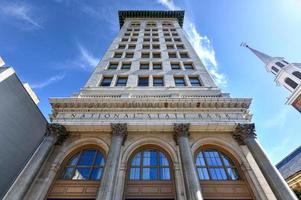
243	132
181	130
59	131
119	129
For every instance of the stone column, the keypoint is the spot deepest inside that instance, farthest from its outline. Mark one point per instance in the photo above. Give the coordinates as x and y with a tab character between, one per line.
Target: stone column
108	180
55	134
244	134
192	183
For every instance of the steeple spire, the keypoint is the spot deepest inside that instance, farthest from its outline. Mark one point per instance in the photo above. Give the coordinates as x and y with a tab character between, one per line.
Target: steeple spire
266	59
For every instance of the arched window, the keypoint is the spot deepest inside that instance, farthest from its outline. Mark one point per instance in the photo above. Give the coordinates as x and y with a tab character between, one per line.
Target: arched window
214	165
291	83
87	164
297	74
149	164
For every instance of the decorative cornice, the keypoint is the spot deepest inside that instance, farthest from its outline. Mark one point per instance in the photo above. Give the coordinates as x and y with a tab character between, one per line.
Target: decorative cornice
181	130
243	132
119	129
57	130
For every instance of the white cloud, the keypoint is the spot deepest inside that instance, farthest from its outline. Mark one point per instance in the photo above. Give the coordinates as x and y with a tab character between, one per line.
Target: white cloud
278	121
20	12
87	57
47	82
201	44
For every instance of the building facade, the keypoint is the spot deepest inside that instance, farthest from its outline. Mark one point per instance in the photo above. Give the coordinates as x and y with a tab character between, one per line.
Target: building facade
290	169
286	74
150	123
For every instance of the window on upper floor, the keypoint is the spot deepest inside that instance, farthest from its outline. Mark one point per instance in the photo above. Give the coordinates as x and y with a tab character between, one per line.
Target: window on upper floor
275	69
106	81
297	74
127	34
158	81
168	40
279	64
170	46
113	65
180	46
144	66
117	54
179	81
151	24
155	34
129	54
147	34
129	29
175	34
134	39
290	82
135	34
155	39
172	54
121	81
146	39
175	66
154	30
188	66
126	65
166	34
177	39
136	29
131	46
143	81
135	24
156	46
156	55
157	66
184	55
121	46
195	81
147	30
145	46
145	55
124	39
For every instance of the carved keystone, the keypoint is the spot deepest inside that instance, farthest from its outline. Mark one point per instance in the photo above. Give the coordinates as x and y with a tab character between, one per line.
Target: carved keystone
59	131
243	132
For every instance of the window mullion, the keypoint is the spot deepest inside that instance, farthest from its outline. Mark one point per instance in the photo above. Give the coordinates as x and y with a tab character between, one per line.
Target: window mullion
206	164
224	166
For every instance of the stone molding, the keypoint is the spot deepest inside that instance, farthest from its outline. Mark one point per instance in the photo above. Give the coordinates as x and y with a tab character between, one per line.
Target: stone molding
119	129
243	132
181	130
59	131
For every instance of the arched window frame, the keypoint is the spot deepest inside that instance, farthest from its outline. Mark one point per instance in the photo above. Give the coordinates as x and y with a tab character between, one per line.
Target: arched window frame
158	150
297	74
234	165
79	151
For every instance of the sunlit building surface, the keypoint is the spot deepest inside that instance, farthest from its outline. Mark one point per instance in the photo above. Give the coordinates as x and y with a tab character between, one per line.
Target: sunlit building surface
150	123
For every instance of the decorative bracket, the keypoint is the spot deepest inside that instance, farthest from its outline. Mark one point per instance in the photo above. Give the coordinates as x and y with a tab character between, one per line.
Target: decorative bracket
243	132
57	130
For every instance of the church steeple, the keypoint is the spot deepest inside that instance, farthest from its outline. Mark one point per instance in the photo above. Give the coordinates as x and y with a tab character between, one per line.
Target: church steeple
286	74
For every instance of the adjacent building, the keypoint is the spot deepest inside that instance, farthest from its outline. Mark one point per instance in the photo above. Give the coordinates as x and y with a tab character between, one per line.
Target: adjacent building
286	74
150	123
290	169
22	126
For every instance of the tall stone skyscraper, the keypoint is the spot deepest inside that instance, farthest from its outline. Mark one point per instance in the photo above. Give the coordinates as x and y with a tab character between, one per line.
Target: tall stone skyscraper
150	123
286	74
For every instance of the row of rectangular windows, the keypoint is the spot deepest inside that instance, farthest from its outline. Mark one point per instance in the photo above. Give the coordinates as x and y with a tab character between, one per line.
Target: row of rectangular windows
148	34
151	24
149	39
171	54
155	65
165	30
143	81
154	46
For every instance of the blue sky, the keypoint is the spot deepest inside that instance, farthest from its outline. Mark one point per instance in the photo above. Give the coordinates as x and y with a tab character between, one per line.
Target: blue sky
54	45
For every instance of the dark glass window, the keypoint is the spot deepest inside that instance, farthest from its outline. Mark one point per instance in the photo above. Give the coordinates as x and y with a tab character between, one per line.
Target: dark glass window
180	81
291	83
132	46
121	46
117	54
144	66
184	55
143	81
156	55
285	62
157	66
188	66
113	66
275	69
146	39
175	66
146	46
106	81
88	164
158	81
279	64
149	165
195	81
177	39
214	165
134	39
127	34
156	46
147	29
167	39
126	66
124	39
172	54
297	74
166	34
155	39
145	55
135	34
180	46
121	81
170	46
129	55
146	34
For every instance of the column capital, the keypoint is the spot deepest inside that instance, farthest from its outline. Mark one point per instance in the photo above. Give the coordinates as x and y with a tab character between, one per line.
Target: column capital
181	130
59	131
119	129
243	132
